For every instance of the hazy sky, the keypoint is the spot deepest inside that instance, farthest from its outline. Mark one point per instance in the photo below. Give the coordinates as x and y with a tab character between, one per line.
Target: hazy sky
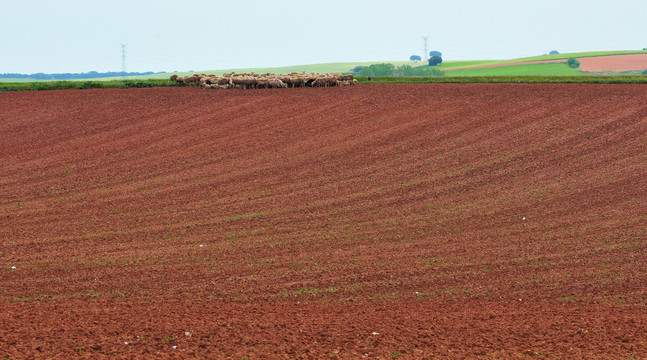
166	35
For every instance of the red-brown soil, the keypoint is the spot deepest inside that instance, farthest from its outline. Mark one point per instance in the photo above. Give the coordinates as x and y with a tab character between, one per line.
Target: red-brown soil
510	64
376	221
614	63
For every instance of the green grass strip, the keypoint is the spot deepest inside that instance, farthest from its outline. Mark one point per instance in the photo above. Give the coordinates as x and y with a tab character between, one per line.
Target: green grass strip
580	79
65	85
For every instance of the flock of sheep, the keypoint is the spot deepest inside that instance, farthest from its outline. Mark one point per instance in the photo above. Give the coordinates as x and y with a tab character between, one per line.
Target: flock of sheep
265	81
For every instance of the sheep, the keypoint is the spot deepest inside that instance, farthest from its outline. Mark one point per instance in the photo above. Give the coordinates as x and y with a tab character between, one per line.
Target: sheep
276	83
331	80
238	81
265	81
222	81
297	81
262	83
191	80
319	82
250	82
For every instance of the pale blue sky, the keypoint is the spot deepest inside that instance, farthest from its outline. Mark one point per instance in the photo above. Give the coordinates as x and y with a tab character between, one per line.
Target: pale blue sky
166	35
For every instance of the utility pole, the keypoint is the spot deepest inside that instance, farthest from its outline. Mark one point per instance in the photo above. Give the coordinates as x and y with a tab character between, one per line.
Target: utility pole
123	59
426	53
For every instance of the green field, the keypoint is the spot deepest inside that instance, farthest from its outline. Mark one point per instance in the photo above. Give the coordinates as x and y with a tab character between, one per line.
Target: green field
464	64
85	84
579	79
583	54
12	80
517	70
512	73
551	69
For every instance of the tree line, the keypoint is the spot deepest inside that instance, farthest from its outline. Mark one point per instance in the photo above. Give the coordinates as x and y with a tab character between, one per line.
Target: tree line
388	69
73	76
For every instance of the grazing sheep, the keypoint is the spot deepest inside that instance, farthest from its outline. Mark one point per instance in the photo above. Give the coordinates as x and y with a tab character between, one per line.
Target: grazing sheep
222	81
193	79
297	81
285	79
238	81
250	82
331	80
276	83
262	83
265	81
319	82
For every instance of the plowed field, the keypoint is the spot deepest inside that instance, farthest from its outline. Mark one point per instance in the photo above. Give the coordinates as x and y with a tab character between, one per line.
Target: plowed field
614	63
376	221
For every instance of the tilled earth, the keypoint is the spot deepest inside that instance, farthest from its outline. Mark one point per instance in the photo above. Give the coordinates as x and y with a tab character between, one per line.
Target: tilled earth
632	62
376	221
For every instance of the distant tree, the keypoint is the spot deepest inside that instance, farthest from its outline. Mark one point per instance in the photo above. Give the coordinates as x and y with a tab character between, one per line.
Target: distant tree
553	52
405	70
435	53
377	70
357	68
644	72
573	63
427	71
415	58
435	60
72	76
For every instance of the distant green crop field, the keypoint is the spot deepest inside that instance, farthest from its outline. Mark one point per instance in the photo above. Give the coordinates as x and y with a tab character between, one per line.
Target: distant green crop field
8	80
467	63
85	84
550	69
346	66
464	64
582	54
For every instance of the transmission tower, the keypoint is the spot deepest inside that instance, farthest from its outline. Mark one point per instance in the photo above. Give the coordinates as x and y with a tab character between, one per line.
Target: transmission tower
123	58
426	53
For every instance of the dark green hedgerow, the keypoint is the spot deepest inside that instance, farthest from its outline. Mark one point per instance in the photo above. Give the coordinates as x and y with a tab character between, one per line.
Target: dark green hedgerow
64	85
